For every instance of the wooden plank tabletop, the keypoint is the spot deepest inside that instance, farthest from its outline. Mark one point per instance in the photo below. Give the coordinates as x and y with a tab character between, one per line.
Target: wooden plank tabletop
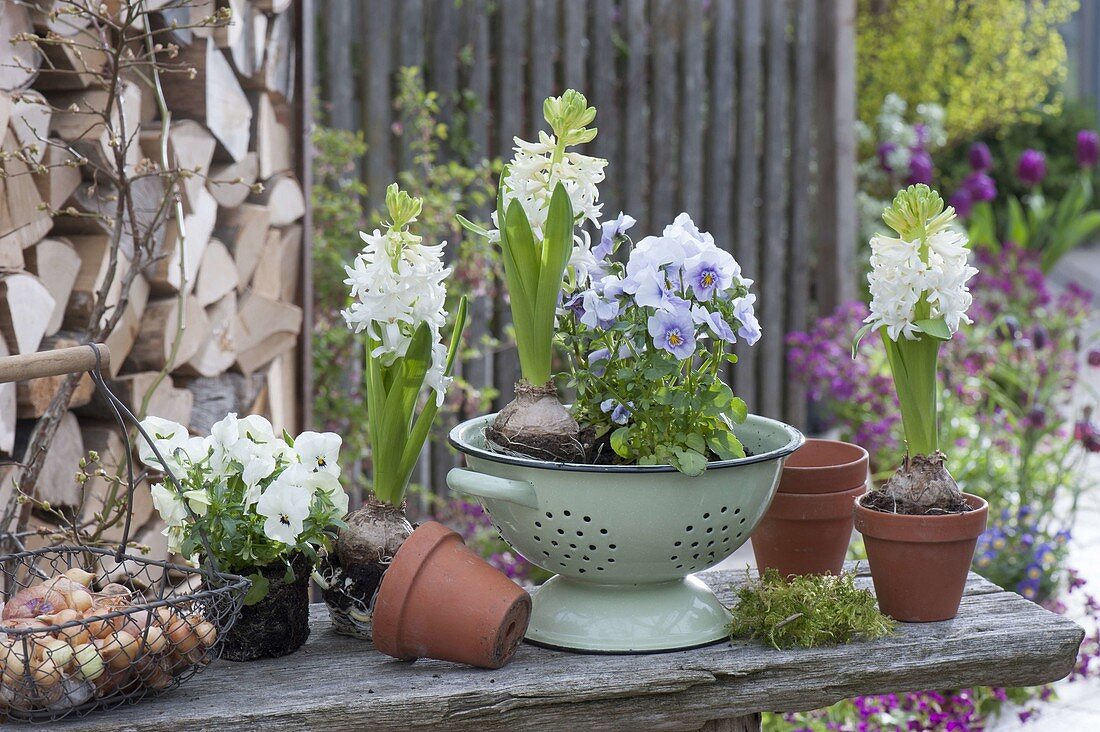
337	683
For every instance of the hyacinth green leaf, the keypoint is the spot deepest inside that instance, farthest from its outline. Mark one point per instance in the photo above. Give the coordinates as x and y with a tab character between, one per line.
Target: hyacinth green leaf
934	327
423	424
859	337
396	418
556	249
470	226
913	366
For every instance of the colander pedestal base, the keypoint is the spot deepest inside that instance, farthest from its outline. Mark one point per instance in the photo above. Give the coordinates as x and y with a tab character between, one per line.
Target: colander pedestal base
644	618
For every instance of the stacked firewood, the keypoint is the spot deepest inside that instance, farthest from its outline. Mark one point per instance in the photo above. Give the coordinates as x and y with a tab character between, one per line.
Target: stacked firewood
211	324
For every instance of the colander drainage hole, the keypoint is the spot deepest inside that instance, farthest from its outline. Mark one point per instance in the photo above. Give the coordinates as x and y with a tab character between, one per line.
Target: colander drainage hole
538	524
603	531
599	569
706	516
690	528
738	534
675	557
710	529
742	520
710	544
694	544
567	556
736	511
726	527
581	570
553	542
610	560
561	564
561	532
586	558
592	547
549	515
725	508
612	547
538	538
580	533
694	556
572	546
677	543
566	513
545	553
587	519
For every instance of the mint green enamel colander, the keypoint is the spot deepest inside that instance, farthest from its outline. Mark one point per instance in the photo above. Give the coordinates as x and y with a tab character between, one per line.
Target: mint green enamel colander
624	540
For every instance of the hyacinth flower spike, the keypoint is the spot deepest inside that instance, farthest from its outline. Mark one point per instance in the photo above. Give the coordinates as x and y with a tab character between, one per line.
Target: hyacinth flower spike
918	300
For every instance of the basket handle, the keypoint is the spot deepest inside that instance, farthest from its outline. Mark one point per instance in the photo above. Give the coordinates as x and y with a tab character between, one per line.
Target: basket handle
481	485
52	363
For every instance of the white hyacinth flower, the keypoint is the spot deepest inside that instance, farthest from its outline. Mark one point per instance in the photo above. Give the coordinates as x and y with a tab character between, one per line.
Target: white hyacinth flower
397	283
534	173
902	275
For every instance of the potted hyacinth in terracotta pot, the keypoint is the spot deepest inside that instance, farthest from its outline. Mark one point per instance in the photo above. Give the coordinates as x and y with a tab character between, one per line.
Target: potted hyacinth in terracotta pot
368	581
919	528
656	470
266	504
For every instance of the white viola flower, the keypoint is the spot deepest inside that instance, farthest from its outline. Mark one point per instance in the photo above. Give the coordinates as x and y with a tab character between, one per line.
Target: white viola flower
328	485
225	432
320	452
285	505
255	427
168	504
167	436
256	459
198	501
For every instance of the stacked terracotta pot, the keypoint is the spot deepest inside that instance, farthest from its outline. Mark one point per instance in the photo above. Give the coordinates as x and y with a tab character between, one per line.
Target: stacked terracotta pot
809	524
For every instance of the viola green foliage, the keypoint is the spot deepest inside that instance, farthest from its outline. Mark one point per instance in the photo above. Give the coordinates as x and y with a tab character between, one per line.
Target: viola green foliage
988	63
807	612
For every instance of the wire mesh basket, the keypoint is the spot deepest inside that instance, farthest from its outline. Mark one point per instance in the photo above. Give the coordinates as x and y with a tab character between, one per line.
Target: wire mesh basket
73	641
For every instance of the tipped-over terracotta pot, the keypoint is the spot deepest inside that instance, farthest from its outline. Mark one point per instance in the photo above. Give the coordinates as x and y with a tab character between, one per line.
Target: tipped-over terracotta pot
809	523
919	563
440	600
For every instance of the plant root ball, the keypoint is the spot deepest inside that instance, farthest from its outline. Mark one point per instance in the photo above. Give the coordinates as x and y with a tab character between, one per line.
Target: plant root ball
364	550
536	424
921	486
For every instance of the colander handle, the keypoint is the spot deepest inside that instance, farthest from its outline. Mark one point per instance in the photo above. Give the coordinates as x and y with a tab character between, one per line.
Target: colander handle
481	485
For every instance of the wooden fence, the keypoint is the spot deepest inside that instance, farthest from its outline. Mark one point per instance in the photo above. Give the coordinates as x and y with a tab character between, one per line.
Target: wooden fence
740	112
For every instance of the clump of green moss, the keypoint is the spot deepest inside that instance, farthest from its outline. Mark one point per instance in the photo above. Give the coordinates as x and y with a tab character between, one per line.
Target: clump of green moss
814	610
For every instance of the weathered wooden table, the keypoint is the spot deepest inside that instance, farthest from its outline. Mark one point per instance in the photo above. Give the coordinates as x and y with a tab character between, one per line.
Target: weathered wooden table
336	683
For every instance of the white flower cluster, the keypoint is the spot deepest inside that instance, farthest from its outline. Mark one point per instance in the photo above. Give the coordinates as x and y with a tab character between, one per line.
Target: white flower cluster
900	278
397	283
281	478
533	175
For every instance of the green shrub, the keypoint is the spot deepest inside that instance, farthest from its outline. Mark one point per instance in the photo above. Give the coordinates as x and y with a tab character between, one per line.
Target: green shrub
989	63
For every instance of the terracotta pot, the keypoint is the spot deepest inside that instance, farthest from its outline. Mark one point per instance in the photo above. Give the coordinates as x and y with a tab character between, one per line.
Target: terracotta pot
919	563
440	600
809	523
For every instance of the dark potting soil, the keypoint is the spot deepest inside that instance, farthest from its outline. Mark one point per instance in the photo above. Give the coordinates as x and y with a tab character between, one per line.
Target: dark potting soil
354	587
279	623
879	501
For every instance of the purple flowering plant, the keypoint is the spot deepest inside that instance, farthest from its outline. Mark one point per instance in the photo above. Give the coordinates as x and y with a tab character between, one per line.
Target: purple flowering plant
1034	221
649	336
